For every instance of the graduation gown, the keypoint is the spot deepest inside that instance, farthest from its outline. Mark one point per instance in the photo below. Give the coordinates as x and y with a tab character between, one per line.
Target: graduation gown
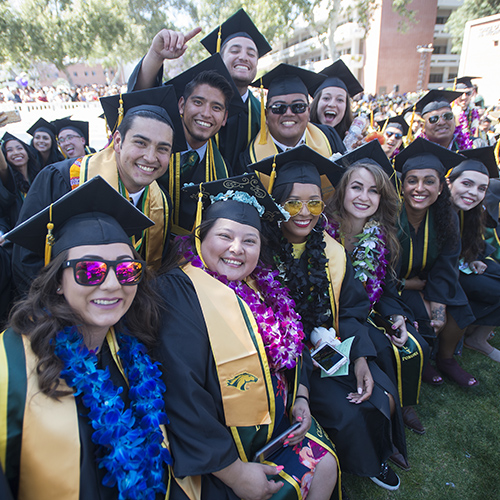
50	184
421	257
200	441
82	478
364	433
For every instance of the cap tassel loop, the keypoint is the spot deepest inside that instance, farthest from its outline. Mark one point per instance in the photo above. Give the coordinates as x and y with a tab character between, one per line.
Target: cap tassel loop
272	177
219	38
263	134
49	239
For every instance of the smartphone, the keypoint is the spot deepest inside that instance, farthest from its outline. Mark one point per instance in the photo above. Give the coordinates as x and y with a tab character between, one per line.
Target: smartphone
387	324
274	445
328	358
13	116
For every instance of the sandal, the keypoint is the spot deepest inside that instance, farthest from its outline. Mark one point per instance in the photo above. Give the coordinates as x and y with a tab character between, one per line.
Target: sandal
455	372
431	376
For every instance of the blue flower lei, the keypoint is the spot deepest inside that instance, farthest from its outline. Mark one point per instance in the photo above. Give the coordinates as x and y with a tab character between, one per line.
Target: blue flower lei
131	438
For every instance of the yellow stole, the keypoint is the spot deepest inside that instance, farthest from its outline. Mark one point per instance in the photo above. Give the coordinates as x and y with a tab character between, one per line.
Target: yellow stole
155	207
241	375
335	271
315	139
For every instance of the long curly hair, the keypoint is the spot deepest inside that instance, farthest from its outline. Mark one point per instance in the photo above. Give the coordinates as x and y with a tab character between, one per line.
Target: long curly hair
445	220
44	312
346	121
472	229
386	214
307	280
33	166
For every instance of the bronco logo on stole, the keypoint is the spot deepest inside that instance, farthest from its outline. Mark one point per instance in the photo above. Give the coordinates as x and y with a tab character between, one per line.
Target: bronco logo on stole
241	381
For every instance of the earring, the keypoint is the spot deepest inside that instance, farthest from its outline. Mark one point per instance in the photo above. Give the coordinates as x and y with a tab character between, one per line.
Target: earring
58	289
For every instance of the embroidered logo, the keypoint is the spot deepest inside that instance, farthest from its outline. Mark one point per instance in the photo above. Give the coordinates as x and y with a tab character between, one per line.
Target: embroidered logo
241	381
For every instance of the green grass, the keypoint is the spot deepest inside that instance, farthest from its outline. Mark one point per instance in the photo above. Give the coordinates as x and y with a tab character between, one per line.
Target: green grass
461	445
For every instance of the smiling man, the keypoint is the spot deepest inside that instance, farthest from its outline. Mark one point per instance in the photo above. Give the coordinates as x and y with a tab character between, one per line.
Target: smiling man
394	129
140	154
72	137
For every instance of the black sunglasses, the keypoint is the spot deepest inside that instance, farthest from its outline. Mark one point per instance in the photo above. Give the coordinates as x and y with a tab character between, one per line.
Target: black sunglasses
90	272
447	116
297	108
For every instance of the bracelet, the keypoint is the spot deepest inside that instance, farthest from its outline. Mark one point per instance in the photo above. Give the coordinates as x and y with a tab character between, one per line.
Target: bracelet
303	397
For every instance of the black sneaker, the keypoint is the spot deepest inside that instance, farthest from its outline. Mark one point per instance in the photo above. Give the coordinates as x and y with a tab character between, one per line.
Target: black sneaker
387	478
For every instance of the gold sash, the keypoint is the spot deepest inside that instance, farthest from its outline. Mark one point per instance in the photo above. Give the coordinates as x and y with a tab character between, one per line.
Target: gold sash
315	139
156	207
335	254
241	377
50	454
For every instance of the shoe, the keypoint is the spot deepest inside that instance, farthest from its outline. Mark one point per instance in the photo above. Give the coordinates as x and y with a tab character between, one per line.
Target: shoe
387	478
398	459
411	420
455	372
431	376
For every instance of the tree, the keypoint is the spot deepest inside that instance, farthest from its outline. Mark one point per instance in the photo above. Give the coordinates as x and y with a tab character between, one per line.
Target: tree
471	9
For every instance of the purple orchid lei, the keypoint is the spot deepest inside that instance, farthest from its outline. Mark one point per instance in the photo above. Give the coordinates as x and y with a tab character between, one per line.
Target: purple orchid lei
279	325
131	439
368	257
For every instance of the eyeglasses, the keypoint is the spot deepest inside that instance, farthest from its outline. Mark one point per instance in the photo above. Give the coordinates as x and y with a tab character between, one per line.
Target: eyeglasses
297	108
447	116
293	207
397	135
94	272
62	140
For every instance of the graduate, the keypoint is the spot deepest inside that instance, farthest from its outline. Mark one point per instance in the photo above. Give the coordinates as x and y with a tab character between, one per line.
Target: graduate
45	142
395	129
73	137
232	341
139	154
77	422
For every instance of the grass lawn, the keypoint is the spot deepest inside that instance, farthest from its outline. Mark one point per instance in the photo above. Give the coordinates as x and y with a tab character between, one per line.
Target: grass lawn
459	455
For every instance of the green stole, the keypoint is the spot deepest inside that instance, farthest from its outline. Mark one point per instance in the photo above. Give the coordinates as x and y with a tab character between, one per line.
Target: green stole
492	237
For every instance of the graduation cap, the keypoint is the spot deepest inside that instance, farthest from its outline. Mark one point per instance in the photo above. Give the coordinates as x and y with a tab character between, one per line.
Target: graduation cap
241	199
463	83
397	121
92	214
7	136
480	160
492	202
212	63
42	125
434	100
422	154
160	101
339	75
302	165
238	25
372	153
80	127
286	79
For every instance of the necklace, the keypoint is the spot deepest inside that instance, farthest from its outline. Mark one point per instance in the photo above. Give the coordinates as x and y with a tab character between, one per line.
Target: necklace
273	309
130	439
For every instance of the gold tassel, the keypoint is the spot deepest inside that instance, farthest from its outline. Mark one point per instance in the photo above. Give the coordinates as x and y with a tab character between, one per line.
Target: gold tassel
385	125
219	38
409	137
263	138
497	151
197	222
120	113
371	119
272	177
455	84
49	239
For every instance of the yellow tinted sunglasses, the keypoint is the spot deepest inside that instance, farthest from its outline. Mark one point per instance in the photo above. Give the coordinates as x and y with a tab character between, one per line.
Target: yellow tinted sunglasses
293	207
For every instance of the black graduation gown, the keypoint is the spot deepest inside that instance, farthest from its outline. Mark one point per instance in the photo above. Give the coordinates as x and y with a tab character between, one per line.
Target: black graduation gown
50	184
441	273
362	434
11	202
5	284
333	137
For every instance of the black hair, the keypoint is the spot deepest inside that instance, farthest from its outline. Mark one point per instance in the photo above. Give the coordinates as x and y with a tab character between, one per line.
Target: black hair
213	79
33	166
128	121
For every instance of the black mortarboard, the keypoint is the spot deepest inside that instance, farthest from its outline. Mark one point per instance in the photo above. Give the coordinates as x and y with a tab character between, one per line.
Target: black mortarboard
492	202
92	214
242	199
435	99
464	82
480	160
339	75
7	136
161	101
286	79
212	63
397	121
238	24
371	152
302	165
80	127
42	125
422	154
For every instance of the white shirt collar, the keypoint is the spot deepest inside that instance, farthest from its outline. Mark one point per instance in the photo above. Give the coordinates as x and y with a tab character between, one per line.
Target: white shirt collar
136	196
302	141
201	151
244	97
